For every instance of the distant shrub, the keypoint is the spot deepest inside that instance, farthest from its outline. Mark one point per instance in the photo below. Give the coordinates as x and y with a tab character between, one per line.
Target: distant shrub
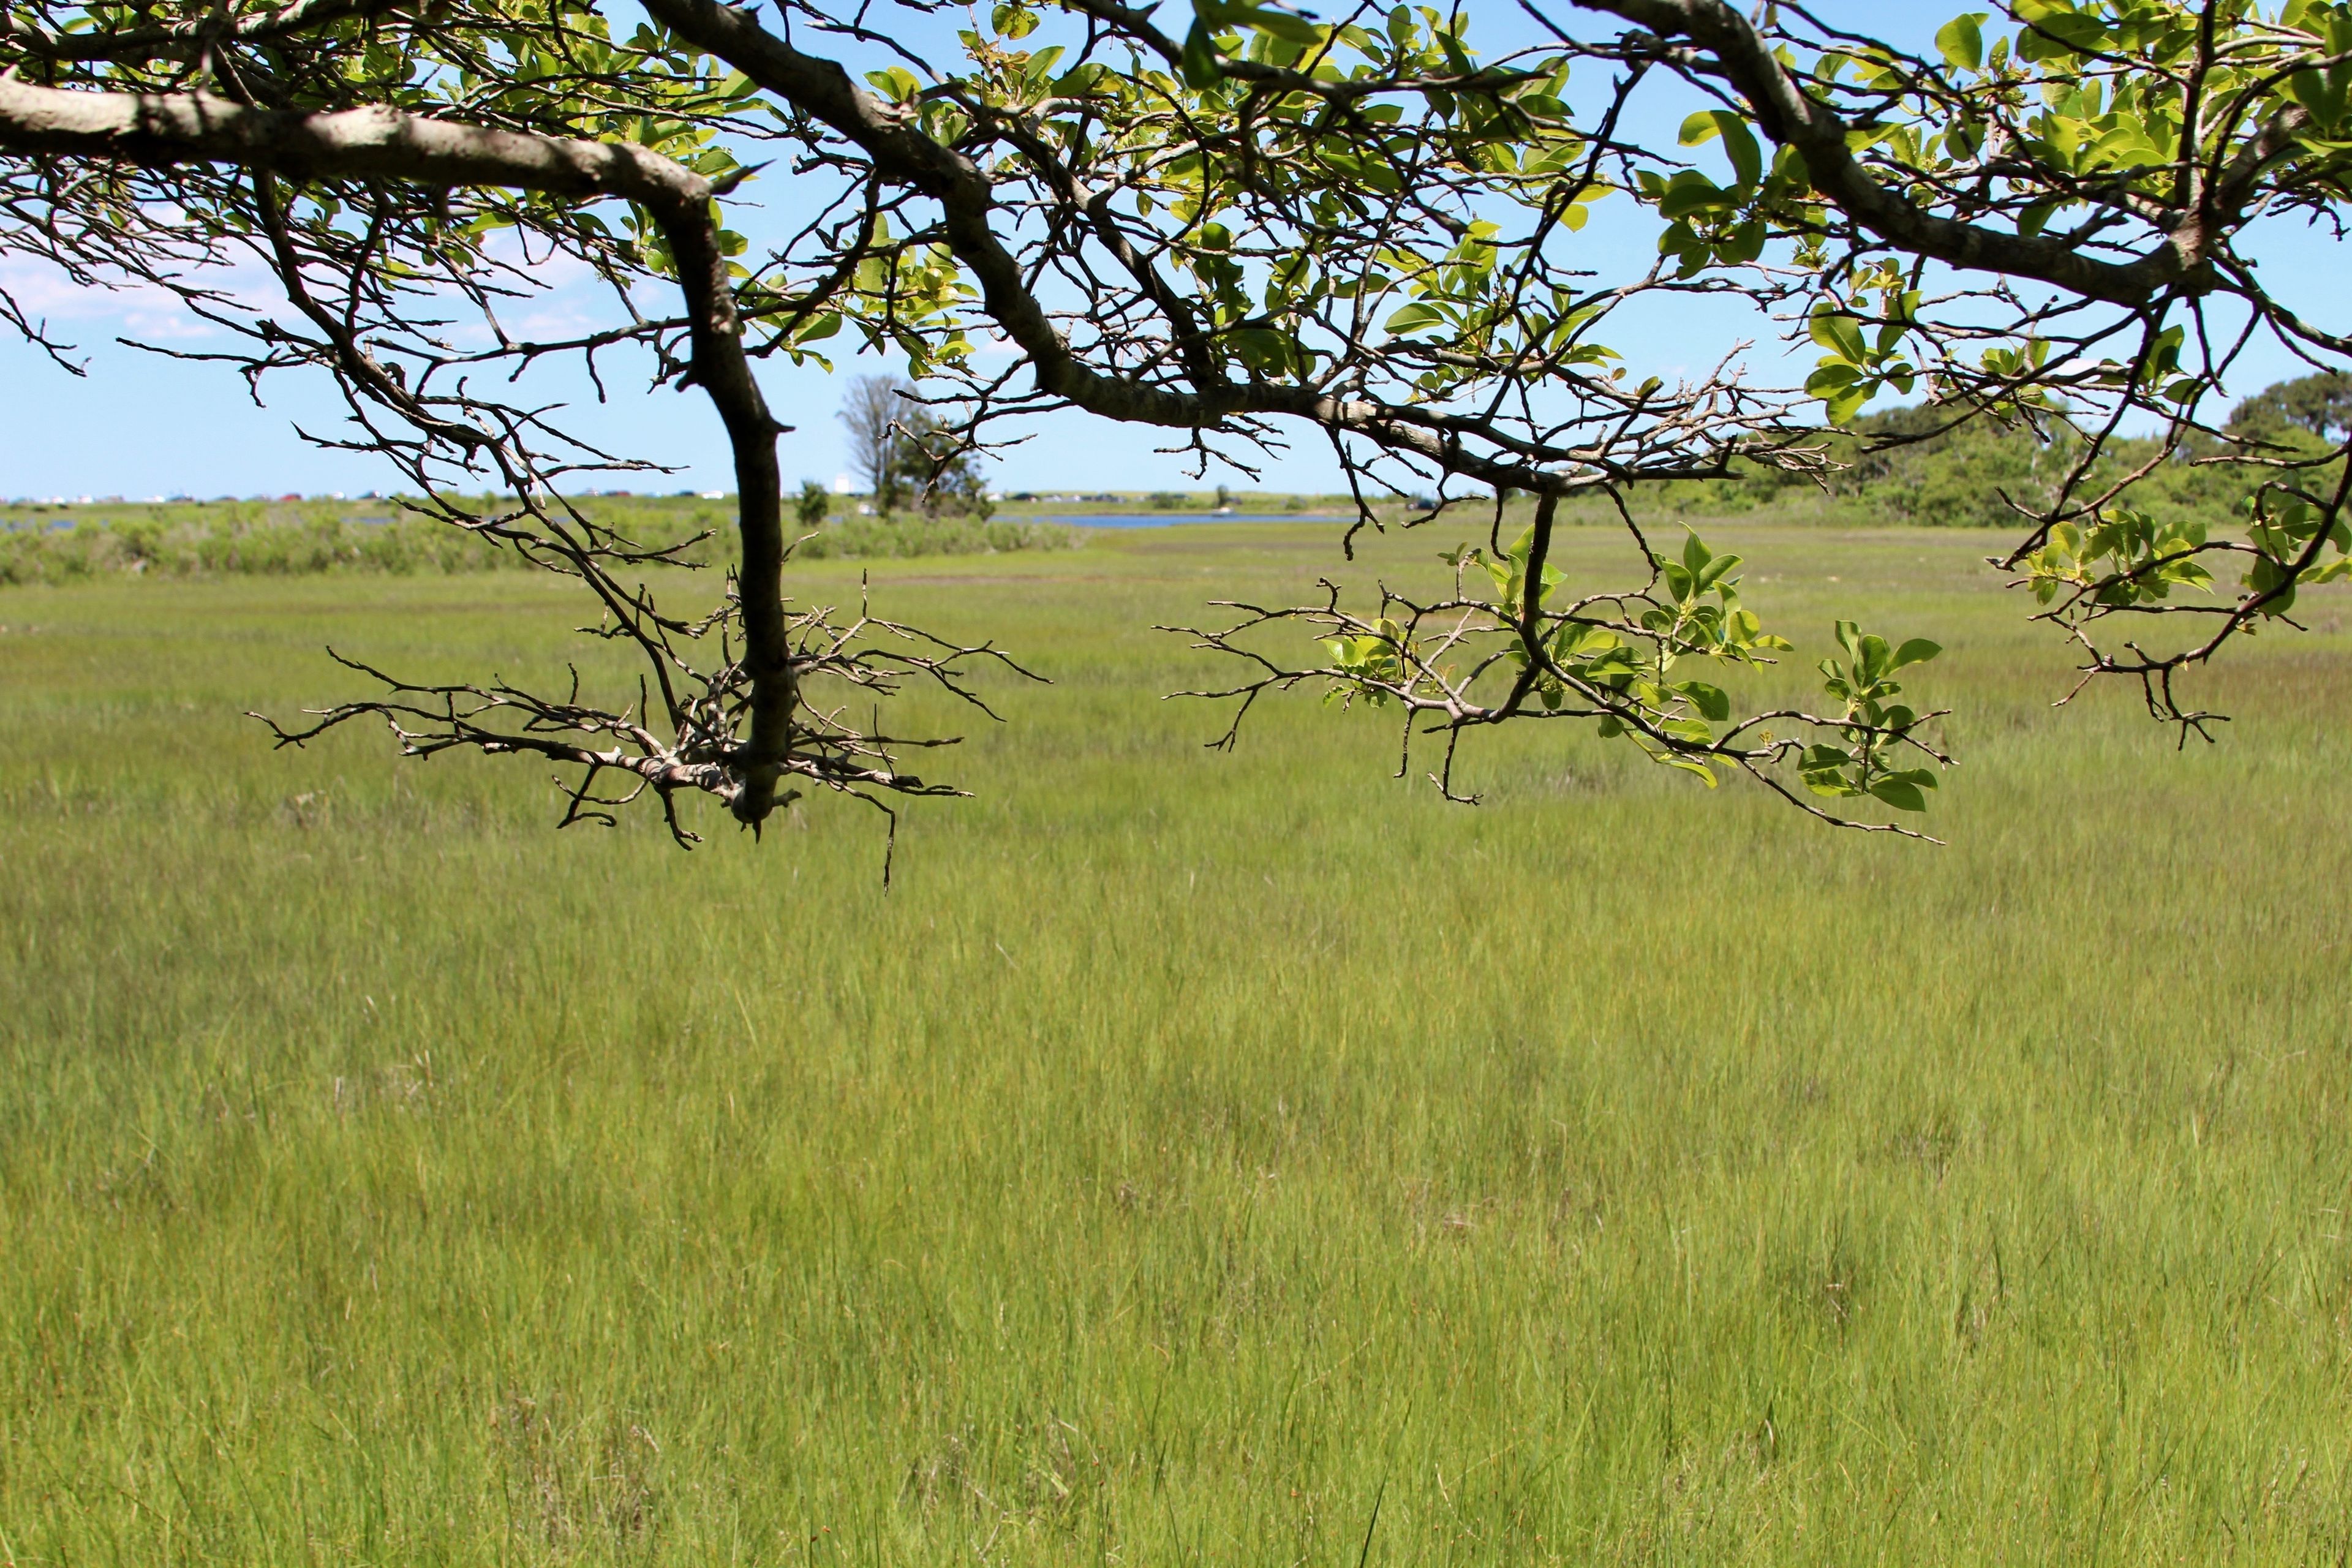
242	539
870	537
1967	477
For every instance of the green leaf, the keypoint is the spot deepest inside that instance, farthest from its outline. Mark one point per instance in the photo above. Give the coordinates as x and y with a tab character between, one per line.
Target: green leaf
1712	701
1841	335
1695	555
2053	28
1738	143
1747	158
1690	192
1700	128
2269	578
1842	408
1198	63
1281	24
1413	318
1013	22
2319	94
1900	792
1917	650
1961	42
898	83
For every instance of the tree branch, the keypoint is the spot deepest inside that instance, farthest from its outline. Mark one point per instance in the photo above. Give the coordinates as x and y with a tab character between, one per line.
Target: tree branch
1794	118
162	130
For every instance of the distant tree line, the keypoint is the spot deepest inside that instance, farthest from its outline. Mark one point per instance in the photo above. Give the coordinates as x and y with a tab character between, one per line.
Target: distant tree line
229	540
1911	465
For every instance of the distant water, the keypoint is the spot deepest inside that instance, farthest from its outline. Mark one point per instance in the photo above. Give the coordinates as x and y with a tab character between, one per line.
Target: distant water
1174	519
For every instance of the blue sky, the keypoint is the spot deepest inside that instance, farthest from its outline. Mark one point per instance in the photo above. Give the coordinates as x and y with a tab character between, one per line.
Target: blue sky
141	424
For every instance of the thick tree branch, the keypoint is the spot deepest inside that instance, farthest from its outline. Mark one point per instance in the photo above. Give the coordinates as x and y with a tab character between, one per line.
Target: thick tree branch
160	130
178	42
1794	118
163	130
903	153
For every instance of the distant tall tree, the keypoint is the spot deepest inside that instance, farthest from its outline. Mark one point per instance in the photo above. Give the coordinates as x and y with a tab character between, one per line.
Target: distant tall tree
940	468
872	410
2318	405
959	487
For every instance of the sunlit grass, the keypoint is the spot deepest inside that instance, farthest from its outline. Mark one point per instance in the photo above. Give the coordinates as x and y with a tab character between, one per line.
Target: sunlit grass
1189	1155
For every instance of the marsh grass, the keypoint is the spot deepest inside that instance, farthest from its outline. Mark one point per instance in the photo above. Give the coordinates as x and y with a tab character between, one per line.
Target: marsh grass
1209	1159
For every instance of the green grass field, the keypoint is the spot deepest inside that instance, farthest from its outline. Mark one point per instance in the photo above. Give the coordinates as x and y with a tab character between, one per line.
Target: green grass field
1241	1160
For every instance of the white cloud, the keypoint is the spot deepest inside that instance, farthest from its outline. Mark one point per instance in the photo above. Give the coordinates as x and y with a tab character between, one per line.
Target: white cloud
135	310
